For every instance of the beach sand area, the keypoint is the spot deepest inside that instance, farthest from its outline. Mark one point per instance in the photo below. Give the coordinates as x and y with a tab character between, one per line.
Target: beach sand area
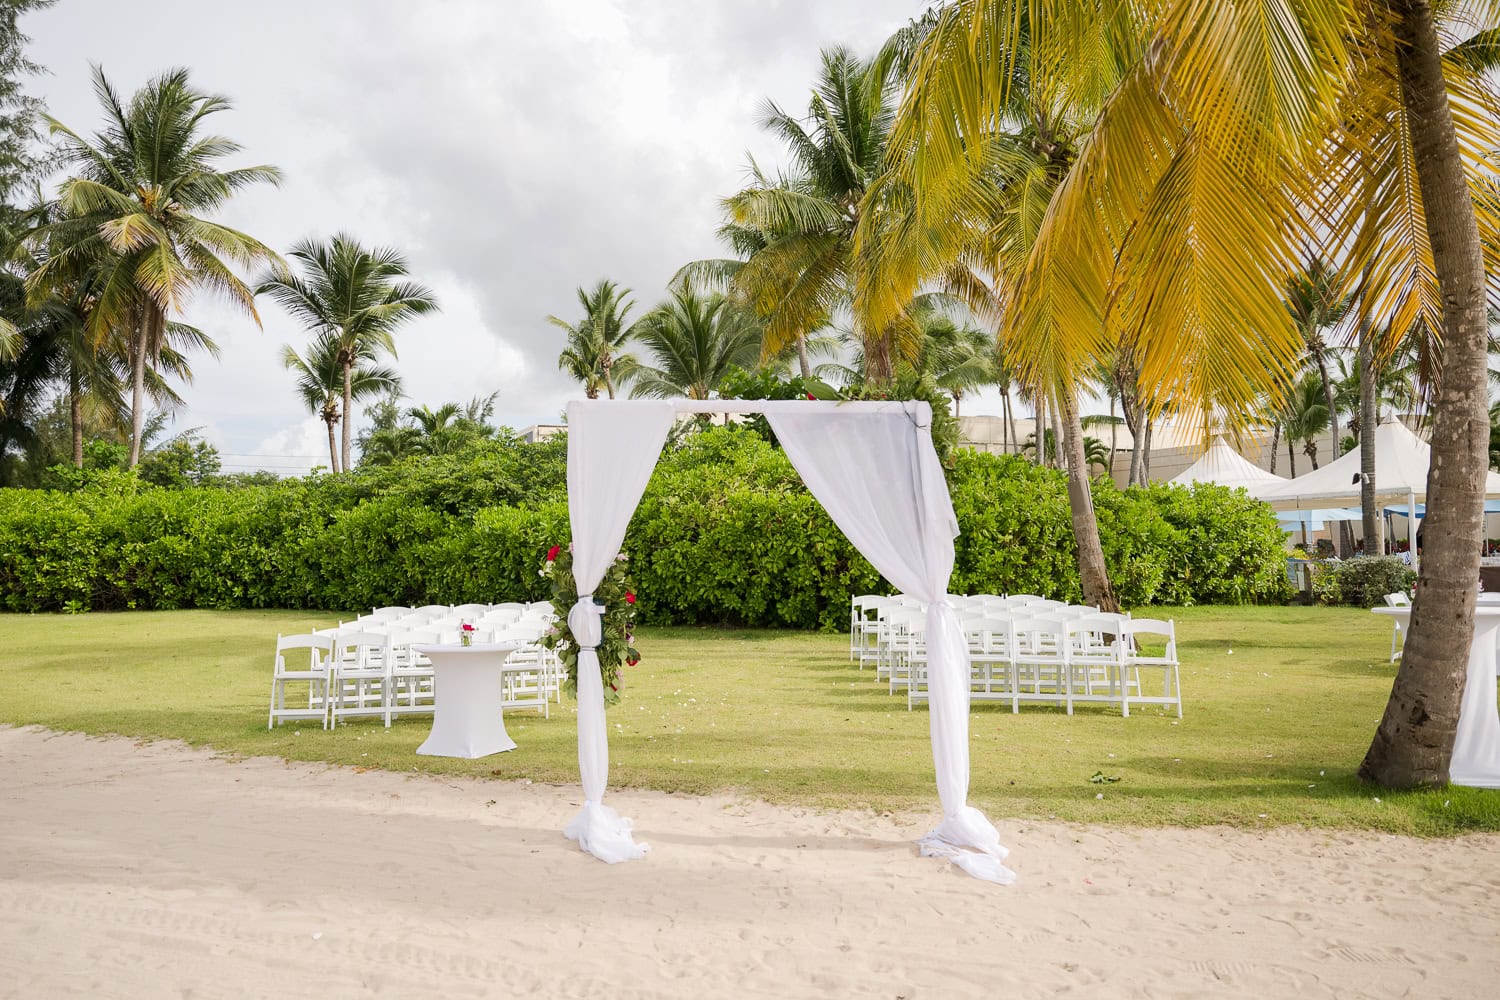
156	870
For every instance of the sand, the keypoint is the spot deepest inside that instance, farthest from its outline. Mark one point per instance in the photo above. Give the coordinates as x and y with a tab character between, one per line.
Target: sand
155	870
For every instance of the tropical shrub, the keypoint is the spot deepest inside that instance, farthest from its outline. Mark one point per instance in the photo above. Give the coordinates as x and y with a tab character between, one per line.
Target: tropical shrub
1361	582
725	532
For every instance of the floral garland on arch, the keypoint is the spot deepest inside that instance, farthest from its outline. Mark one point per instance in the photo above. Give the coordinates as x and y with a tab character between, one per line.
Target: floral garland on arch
616	592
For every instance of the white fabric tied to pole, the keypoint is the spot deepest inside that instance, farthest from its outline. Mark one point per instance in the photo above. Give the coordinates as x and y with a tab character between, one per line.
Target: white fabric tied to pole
611	452
879	478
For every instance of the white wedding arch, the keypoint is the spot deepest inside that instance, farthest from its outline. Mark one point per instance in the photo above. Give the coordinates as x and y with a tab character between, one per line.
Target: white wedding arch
873	468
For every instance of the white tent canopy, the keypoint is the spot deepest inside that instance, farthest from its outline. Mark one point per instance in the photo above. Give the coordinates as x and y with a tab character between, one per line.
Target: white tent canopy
1224	466
1401	460
873	468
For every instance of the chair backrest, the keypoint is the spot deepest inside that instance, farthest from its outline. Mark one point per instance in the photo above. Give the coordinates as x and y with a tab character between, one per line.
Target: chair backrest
313	643
357	647
471	610
1096	636
1397	600
1133	627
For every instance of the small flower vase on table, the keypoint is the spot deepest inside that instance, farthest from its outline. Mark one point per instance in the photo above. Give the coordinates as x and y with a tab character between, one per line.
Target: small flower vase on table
466	634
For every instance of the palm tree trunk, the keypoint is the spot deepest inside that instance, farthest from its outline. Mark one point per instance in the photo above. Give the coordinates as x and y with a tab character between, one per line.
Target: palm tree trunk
1039	418
1059	453
957	396
1369	418
143	337
1114	437
1291	456
1333	413
1010	419
1275	444
1146	452
803	362
75	415
333	448
1137	446
1414	742
1093	575
348	366
606	365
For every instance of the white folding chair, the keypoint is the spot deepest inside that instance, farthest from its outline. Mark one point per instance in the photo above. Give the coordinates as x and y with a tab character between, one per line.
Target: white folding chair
1134	659
359	680
1095	658
413	687
313	671
1039	656
1397	600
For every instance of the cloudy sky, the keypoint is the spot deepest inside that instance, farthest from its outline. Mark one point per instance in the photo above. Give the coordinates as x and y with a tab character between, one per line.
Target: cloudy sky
513	151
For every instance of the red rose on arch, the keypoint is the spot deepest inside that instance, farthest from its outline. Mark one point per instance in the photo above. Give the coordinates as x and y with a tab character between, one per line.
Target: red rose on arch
552	553
629	597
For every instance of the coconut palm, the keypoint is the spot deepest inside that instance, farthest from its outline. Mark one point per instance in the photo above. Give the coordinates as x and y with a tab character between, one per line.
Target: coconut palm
960	358
594	352
356	295
796	230
692	341
320	382
1317	304
138	212
1222	138
1304	418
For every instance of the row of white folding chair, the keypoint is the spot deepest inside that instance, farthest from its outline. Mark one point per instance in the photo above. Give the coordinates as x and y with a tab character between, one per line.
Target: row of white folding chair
1006	650
1066	659
893	638
866	631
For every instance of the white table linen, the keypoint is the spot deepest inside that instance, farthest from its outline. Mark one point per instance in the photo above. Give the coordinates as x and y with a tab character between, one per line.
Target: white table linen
468	690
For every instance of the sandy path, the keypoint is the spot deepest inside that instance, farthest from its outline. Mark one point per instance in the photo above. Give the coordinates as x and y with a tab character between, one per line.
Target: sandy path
154	871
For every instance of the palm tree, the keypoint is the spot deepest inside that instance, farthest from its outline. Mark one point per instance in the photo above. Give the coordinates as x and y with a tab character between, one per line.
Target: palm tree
959	358
796	230
443	431
357	296
693	340
1317	304
138	212
593	352
1243	129
320	382
1303	419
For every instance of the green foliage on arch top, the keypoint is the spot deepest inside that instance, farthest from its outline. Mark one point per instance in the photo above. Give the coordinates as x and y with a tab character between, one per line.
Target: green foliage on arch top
726	532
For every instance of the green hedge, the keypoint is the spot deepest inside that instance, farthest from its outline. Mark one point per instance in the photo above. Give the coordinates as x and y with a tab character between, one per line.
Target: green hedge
725	533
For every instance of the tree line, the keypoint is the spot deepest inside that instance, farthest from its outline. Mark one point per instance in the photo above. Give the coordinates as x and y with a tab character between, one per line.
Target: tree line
100	269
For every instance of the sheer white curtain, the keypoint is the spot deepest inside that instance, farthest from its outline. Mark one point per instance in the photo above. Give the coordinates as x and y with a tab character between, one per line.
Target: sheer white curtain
612	448
879	478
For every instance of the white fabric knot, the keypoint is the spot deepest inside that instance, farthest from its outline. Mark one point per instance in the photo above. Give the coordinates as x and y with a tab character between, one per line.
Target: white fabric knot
586	621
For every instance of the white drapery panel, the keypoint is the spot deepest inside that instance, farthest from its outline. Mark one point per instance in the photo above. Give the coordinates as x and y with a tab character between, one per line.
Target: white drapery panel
611	452
879	478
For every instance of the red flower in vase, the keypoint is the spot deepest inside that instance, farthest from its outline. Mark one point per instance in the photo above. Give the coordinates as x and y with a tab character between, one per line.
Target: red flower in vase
467	627
629	597
552	553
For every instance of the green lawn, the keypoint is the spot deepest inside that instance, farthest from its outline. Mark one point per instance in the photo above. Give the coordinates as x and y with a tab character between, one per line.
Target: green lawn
1272	735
